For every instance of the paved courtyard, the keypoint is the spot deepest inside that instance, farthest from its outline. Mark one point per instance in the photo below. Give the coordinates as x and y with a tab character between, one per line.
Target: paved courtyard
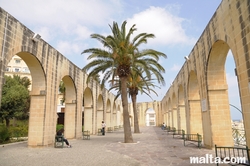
153	147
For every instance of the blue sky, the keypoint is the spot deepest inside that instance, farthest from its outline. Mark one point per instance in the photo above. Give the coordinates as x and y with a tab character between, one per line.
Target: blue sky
177	24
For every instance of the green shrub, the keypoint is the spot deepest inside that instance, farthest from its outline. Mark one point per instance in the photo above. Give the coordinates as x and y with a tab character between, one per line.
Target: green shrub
59	126
4	134
82	128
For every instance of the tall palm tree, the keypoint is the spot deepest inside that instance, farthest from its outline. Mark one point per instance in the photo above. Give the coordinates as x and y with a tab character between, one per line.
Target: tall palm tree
136	83
116	59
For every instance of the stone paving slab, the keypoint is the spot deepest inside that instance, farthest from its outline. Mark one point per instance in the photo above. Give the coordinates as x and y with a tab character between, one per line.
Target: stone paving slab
152	147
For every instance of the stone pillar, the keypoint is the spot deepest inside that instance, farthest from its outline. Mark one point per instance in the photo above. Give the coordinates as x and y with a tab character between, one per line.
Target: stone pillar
182	118
70	120
99	118
195	117
36	120
108	119
175	118
220	118
88	119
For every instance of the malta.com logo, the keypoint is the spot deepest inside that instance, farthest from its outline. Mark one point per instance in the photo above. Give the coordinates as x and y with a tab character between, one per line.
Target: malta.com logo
209	159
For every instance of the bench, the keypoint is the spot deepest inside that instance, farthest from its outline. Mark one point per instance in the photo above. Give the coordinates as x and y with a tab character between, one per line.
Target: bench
86	135
116	128
179	133
233	155
99	131
166	128
110	129
171	129
59	143
197	138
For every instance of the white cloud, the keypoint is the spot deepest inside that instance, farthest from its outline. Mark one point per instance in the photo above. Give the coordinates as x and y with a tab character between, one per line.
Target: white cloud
62	12
166	27
175	68
82	32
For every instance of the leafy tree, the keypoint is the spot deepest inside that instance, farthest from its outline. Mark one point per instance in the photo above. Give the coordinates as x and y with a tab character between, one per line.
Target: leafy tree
15	100
23	81
62	90
119	56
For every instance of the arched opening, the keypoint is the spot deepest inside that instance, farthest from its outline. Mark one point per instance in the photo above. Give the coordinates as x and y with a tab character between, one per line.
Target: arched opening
195	125
60	105
100	112
114	116
108	114
181	110
165	113
220	127
150	117
70	107
88	109
238	128
37	99
174	111
118	115
170	118
14	113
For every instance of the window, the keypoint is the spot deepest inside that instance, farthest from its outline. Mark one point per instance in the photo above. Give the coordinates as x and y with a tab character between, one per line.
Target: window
17	70
151	115
26	70
17	60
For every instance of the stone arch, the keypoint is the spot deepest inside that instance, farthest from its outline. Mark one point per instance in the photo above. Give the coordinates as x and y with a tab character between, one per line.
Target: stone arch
36	70
70	107
37	100
174	111
219	110
108	113
194	106
100	111
150	117
165	112
88	109
181	109
169	113
114	118
119	115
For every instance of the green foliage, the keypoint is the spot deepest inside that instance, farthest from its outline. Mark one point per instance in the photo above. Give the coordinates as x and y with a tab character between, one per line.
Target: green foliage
82	128
19	130
23	81
15	99
62	90
59	126
119	58
4	134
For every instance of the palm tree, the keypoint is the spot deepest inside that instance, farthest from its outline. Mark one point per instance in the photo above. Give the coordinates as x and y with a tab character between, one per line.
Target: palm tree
136	83
62	90
116	60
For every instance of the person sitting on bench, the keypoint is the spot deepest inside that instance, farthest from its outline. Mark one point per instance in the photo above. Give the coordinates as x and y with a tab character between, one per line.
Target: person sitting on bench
60	133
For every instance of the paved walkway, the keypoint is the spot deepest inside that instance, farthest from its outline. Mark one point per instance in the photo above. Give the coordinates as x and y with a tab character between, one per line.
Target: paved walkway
153	148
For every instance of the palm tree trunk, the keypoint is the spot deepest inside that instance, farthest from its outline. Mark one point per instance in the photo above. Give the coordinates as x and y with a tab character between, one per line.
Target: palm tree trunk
136	123
126	123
